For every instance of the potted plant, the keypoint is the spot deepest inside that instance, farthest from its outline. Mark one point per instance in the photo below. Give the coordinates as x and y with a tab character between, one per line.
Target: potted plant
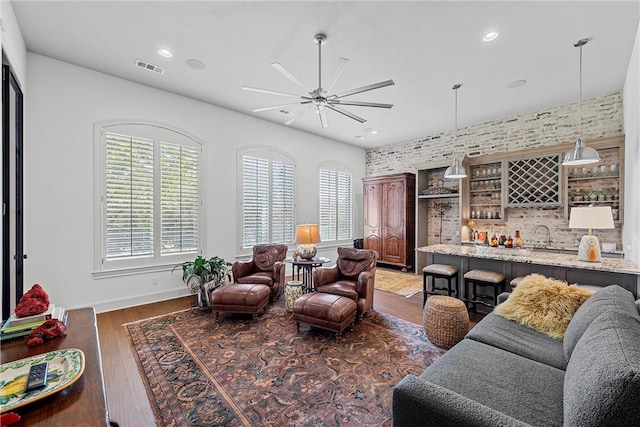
203	274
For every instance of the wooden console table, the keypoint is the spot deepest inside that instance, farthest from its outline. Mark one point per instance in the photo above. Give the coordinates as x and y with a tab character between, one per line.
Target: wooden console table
84	403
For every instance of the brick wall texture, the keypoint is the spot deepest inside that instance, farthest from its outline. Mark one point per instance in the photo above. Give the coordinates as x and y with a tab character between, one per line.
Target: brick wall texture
601	117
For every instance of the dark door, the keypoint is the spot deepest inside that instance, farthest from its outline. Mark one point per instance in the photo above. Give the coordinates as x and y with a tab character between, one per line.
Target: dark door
12	215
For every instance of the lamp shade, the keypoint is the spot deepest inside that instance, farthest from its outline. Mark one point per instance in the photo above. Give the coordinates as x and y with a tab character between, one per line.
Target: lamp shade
591	217
307	234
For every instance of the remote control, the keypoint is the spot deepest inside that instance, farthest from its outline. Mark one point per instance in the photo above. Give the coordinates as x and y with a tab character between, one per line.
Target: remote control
37	377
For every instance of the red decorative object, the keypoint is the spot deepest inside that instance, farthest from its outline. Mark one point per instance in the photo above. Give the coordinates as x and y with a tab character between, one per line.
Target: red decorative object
50	329
35	301
9	418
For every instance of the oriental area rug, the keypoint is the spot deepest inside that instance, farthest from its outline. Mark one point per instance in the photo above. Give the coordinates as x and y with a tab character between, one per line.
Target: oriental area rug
244	372
397	282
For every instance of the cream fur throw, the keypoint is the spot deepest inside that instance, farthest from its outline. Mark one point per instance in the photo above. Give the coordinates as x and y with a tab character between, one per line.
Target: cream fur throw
546	305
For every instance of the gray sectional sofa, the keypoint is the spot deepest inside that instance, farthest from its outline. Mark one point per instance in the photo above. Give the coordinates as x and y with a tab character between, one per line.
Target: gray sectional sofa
506	374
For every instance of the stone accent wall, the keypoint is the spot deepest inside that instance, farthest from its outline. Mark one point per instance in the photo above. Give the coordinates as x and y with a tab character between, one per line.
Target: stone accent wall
601	117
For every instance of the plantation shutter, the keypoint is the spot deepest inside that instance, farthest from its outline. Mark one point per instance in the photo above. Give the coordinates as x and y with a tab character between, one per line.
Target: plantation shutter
345	205
268	200
128	196
336	206
282	206
255	201
179	203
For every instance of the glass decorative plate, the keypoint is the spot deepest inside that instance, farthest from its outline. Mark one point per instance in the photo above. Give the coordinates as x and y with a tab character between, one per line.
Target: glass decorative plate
65	367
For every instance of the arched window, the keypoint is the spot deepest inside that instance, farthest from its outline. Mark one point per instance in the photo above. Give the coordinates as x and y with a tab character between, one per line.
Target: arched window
268	197
148	196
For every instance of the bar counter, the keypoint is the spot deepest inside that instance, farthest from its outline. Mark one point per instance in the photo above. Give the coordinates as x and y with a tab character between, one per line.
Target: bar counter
520	262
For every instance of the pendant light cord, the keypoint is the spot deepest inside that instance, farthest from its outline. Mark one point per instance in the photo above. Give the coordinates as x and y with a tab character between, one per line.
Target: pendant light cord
579	44
455	106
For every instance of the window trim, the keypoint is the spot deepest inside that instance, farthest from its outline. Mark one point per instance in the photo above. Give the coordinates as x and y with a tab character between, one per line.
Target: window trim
269	153
337	166
157	262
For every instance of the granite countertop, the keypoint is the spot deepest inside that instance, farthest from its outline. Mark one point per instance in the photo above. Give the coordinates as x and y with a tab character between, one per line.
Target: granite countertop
531	256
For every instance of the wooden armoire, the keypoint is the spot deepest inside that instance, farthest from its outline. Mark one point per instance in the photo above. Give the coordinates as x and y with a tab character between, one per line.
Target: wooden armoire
389	218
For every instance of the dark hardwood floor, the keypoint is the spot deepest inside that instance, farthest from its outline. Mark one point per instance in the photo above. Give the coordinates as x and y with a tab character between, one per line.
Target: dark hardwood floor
126	394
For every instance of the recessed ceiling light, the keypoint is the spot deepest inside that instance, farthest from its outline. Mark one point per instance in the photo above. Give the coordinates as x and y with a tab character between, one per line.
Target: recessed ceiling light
517	83
195	64
374	132
166	53
491	36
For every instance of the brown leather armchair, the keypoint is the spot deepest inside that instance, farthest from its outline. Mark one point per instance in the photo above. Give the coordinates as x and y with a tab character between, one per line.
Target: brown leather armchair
353	277
266	267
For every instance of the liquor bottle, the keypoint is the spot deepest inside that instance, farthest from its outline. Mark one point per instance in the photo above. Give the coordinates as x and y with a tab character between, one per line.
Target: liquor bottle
518	242
509	242
494	239
486	239
502	239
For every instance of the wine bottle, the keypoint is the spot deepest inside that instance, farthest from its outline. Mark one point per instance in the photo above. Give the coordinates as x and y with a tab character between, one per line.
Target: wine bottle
486	239
502	240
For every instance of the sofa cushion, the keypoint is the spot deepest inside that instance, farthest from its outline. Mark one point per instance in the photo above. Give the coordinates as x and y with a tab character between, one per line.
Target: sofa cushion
513	337
608	298
544	304
521	388
602	381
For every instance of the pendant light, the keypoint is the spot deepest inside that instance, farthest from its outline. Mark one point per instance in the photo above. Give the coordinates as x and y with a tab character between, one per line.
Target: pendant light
580	154
456	170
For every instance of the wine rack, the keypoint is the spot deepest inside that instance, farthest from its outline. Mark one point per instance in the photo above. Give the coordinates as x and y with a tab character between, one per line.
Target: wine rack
534	181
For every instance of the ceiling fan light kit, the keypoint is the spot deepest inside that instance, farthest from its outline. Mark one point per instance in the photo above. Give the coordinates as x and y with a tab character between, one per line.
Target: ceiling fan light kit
320	98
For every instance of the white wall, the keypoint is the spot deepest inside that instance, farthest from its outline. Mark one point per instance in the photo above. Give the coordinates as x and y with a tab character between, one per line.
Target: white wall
13	43
631	97
61	106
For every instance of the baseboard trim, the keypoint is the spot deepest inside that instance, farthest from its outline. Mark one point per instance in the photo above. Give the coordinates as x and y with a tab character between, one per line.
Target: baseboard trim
140	300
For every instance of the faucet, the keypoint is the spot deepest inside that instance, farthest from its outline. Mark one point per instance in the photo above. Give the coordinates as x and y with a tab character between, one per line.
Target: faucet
535	230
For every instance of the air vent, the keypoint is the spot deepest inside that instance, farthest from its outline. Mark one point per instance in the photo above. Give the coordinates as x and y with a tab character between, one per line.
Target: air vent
285	112
149	67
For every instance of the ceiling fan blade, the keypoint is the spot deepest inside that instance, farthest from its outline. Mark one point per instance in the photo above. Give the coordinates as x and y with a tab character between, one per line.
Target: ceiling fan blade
290	76
363	89
359	103
341	66
296	117
346	113
323	117
271	92
275	107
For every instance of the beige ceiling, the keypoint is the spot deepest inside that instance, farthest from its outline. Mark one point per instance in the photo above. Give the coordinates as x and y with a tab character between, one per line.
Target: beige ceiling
424	46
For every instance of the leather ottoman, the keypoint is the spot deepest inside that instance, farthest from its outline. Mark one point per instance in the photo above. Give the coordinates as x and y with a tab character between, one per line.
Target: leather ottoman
327	311
240	298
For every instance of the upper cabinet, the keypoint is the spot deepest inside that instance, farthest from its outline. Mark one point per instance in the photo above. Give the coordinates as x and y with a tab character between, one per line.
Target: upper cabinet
599	184
536	178
534	181
485	191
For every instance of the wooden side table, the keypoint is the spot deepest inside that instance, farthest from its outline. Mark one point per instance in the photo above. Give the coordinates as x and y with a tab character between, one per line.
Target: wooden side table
84	403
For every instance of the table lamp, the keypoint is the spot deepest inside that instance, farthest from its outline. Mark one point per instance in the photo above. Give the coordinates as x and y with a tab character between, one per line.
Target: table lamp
306	237
590	218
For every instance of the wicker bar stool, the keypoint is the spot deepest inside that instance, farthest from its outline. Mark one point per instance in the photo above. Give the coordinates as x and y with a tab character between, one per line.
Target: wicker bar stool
483	278
439	271
446	320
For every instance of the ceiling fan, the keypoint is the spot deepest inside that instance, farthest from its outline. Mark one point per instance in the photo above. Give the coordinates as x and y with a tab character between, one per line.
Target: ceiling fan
321	98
